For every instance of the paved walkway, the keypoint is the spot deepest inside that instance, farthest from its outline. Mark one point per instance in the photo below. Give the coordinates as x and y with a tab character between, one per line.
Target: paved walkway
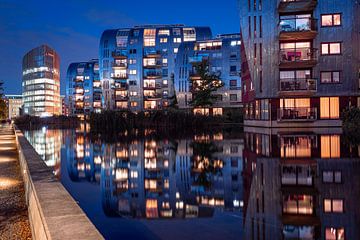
14	223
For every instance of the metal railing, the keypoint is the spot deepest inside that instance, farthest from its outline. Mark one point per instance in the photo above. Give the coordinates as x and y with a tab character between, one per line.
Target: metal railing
300	113
294	24
298	55
298	84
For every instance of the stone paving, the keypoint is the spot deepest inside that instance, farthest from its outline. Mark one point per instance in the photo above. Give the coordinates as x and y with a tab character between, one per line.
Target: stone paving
14	222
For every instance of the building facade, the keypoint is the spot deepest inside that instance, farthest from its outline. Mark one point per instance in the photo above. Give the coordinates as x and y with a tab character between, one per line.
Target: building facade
137	64
14	105
222	55
41	82
83	88
301	61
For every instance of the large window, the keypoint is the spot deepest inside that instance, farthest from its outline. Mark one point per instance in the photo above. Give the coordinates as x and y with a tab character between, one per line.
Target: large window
330	77
334	233
330	20
329	108
295	51
330	146
298	204
331	48
149	37
333	205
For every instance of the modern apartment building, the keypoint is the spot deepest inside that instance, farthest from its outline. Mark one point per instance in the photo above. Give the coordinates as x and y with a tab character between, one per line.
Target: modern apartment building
83	88
137	64
41	82
14	104
301	61
222	55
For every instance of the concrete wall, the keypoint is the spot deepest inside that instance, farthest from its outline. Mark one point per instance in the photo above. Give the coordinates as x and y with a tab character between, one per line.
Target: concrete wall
53	213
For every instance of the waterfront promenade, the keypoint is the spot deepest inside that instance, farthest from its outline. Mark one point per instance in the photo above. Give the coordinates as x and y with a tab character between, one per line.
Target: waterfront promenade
14	223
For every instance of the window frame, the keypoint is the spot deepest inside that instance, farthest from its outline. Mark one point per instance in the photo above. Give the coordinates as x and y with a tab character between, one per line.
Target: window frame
330	54
332	16
332	208
333	177
332	77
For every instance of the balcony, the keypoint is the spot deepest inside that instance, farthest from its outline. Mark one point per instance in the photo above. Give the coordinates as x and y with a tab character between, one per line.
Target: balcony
119	76
297	28
297	114
119	65
119	54
152	74
297	86
157	64
291	6
152	86
152	96
298	57
151	53
121	97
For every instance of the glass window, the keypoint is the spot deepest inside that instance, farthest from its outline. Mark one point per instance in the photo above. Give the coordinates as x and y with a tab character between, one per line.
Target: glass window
330	77
329	108
328	20
330	48
334	233
330	146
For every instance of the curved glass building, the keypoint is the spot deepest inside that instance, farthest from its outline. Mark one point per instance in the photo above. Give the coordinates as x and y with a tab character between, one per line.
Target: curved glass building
41	82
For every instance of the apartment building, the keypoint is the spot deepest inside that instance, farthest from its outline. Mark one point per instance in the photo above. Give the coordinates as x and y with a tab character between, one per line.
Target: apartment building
222	55
41	82
14	104
137	64
301	61
83	88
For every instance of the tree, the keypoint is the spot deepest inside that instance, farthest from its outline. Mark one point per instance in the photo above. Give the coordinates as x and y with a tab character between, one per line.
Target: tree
203	84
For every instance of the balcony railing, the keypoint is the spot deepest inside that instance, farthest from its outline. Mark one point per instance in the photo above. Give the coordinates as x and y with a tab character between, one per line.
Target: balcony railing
119	65
151	53
291	6
298	24
305	56
119	54
298	84
152	74
297	114
119	76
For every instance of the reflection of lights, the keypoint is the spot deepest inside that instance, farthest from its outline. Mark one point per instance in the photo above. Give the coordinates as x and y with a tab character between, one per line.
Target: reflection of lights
97	160
180	205
166	163
121	174
7	183
177	195
43	129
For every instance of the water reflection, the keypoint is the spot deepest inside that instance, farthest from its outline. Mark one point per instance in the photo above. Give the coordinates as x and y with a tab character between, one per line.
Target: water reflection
300	186
147	178
275	185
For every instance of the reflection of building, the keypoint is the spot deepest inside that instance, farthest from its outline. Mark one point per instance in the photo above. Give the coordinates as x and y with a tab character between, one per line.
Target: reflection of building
47	143
137	64
14	104
83	88
64	107
300	61
41	82
222	55
148	179
300	186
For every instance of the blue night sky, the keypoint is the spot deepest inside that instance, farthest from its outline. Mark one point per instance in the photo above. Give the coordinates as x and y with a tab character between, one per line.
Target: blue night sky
73	27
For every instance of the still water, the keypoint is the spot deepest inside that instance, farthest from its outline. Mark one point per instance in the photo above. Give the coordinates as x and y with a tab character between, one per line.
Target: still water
253	185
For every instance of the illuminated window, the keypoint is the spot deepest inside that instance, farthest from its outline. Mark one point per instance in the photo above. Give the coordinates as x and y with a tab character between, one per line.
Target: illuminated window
334	233
333	205
132	72
189	34
298	204
134	174
165	61
176	50
329	108
149	37
330	77
163	40
330	146
217	111
164	32
331	48
329	20
177	40
176	31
